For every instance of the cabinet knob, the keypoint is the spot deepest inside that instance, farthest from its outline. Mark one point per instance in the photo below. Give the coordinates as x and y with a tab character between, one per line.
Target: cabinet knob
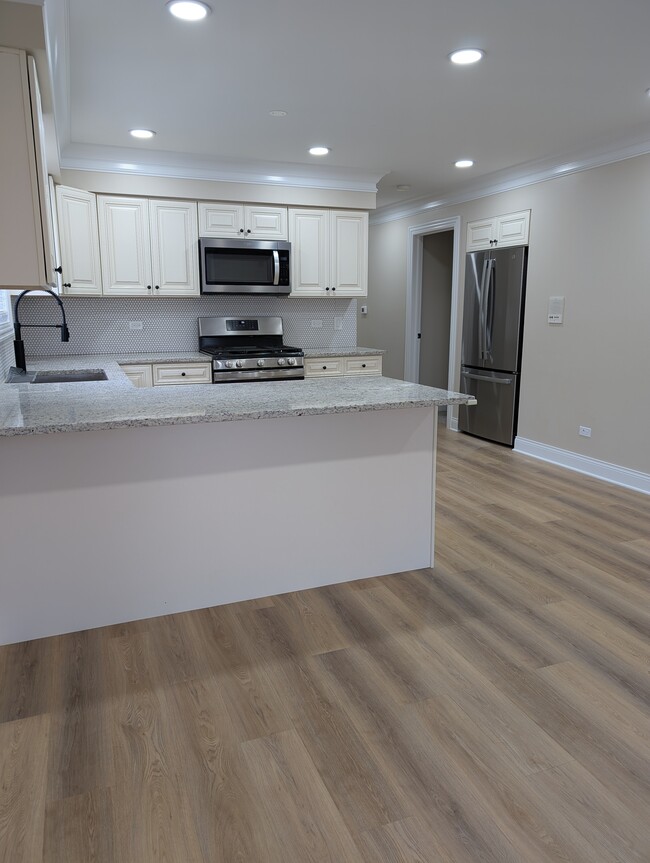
241	230
363	365
325	368
182	374
148	287
67	285
248	231
157	287
333	289
58	269
327	289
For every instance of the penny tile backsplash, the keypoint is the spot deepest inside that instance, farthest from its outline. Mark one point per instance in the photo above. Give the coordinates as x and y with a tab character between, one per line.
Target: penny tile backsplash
101	325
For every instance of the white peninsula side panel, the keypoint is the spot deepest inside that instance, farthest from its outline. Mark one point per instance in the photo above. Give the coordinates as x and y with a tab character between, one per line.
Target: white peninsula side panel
137	522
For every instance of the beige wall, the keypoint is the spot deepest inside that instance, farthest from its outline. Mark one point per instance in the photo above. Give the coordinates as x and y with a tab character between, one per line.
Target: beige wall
588	242
437	262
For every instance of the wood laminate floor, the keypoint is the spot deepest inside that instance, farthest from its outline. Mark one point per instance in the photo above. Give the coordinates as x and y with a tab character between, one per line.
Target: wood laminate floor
494	709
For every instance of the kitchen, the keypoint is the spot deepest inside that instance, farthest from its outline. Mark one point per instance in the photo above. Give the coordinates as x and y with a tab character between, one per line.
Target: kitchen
557	221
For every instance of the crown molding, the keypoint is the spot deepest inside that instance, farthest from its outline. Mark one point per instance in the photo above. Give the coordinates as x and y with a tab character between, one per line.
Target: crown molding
523	175
84	157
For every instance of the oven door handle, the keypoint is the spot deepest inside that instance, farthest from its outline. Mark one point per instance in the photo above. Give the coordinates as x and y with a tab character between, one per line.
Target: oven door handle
276	268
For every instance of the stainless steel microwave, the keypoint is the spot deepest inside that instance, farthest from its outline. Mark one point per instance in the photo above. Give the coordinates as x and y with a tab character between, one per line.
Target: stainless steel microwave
244	266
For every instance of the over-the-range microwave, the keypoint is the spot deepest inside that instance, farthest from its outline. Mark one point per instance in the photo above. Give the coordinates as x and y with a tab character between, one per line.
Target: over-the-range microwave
244	266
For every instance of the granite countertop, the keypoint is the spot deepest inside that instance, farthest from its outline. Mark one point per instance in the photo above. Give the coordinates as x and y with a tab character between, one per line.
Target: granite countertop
115	403
343	352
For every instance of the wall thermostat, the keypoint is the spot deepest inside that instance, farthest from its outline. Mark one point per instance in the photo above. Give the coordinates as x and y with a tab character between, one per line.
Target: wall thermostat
556	310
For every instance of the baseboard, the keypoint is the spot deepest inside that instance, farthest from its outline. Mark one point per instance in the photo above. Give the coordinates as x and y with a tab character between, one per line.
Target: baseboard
613	473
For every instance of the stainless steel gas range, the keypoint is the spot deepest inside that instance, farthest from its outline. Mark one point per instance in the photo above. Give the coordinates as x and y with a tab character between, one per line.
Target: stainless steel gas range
249	349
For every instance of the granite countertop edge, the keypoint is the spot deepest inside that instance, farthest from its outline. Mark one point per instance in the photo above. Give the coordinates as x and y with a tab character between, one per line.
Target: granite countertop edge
115	403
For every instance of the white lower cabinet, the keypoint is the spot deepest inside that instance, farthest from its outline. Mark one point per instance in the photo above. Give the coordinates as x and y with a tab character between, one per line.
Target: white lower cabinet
167	374
325	367
140	375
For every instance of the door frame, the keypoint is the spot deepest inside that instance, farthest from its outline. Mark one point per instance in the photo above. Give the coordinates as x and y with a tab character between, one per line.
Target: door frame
416	236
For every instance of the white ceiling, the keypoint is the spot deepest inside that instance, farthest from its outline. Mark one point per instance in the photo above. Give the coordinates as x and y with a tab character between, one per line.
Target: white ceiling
368	78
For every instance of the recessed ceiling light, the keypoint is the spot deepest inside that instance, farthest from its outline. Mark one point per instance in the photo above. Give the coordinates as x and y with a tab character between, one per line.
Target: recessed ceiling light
142	133
403	187
319	151
188	10
464	163
466	56
278	113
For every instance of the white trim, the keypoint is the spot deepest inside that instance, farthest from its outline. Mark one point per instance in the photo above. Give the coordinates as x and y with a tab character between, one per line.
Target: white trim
505	181
6	318
416	236
185	167
633	479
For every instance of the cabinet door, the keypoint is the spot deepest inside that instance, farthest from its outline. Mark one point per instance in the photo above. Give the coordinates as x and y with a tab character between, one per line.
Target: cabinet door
480	234
79	241
309	233
349	274
22	251
126	247
139	375
266	223
221	220
41	170
512	229
174	248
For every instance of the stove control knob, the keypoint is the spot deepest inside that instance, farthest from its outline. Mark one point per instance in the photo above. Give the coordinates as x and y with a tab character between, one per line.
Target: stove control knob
282	361
260	363
230	364
292	361
240	364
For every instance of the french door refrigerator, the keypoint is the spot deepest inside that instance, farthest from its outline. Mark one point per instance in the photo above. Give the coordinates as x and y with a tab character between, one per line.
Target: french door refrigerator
493	317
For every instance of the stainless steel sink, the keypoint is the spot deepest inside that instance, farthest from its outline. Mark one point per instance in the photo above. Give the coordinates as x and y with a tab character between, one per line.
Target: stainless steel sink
69	376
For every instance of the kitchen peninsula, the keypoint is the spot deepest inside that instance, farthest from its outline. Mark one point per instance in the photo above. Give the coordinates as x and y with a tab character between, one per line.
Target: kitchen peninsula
174	498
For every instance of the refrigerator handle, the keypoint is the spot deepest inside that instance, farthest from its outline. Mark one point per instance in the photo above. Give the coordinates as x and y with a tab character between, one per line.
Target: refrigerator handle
481	311
489	308
485	378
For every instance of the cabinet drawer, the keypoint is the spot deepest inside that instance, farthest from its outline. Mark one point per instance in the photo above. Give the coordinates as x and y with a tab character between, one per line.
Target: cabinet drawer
323	367
363	366
165	374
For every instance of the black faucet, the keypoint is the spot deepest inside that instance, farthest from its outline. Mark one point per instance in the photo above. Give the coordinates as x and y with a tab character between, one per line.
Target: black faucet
19	346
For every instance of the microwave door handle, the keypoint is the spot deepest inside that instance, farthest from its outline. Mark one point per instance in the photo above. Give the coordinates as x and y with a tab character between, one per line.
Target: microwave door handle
276	268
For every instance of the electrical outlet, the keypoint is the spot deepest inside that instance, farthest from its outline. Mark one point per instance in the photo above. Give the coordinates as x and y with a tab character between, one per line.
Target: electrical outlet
364	310
584	431
317	325
135	325
338	322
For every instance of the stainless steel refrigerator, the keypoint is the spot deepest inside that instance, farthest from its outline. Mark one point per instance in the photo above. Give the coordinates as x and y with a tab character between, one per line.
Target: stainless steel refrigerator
493	316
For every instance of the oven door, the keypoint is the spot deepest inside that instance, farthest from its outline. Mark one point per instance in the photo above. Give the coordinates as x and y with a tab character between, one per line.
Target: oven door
244	266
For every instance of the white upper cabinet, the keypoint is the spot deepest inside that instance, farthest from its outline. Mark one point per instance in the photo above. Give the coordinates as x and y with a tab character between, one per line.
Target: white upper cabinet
242	221
79	242
499	231
149	248
309	233
174	248
349	275
26	246
329	253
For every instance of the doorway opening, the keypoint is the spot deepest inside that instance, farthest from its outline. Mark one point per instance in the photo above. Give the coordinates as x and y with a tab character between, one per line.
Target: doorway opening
433	307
